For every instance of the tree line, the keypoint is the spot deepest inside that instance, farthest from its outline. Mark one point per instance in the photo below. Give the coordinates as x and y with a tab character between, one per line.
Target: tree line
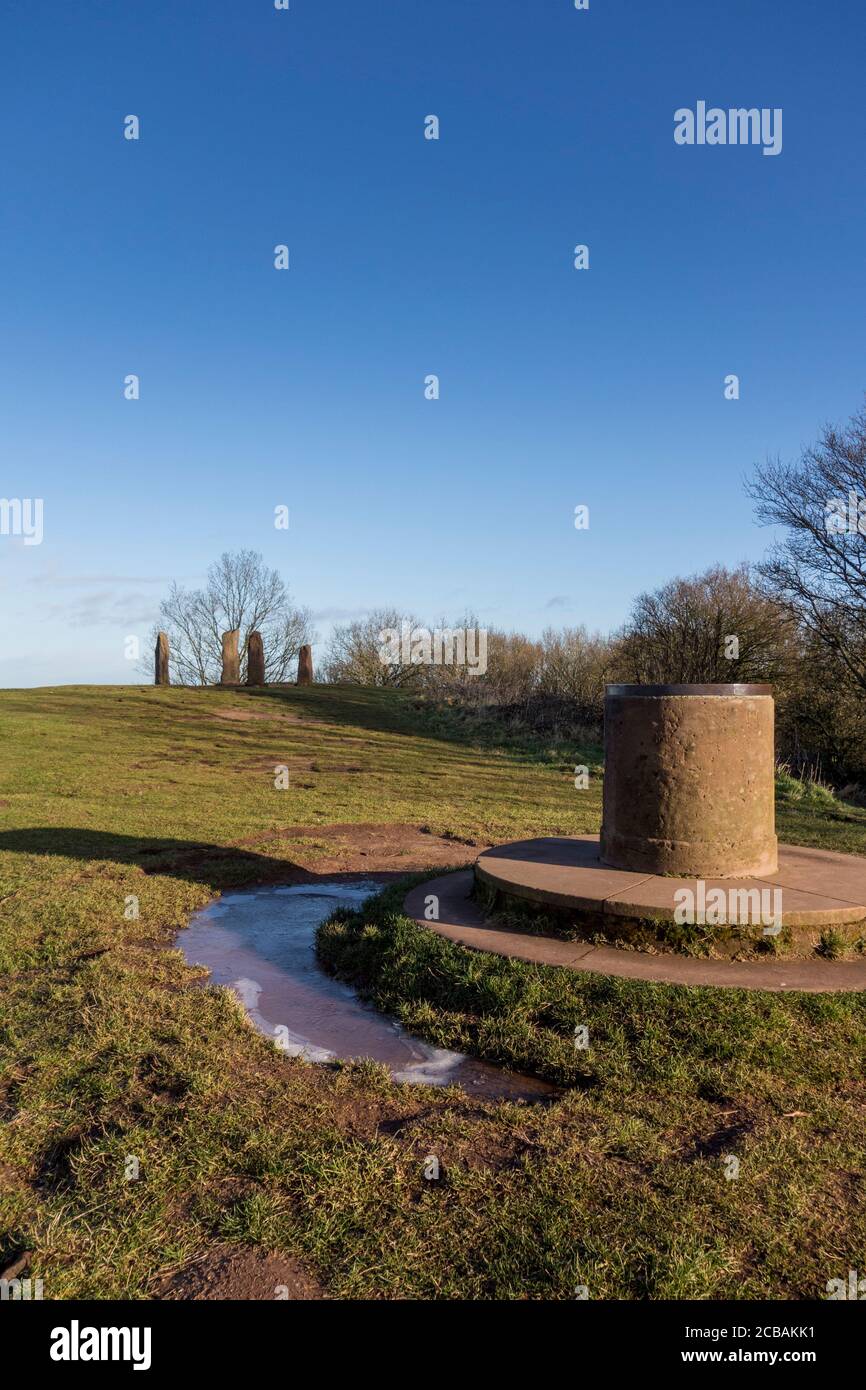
796	620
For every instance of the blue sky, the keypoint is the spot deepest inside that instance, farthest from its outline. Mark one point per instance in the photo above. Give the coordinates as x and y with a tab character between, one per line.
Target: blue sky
409	257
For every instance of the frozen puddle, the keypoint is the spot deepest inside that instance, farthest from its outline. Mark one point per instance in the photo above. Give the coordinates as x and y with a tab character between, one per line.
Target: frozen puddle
261	943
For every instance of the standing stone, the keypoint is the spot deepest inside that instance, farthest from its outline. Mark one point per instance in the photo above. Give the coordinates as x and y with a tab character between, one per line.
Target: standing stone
231	663
160	674
305	666
255	659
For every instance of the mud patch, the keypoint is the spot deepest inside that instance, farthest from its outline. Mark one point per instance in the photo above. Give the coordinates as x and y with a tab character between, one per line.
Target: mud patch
243	716
368	847
246	716
724	1138
227	1272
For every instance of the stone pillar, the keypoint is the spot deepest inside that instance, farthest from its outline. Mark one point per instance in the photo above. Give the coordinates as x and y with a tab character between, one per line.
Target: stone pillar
255	659
689	780
231	664
305	666
160	673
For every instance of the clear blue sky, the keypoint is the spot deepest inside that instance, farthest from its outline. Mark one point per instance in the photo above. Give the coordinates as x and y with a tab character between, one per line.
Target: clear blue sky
408	257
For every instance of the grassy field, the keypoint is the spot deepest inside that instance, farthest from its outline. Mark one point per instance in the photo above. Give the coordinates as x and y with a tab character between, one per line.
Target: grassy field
110	1050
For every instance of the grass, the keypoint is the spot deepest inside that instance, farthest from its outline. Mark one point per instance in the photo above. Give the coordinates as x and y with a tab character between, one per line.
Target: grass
109	1050
673	1082
809	789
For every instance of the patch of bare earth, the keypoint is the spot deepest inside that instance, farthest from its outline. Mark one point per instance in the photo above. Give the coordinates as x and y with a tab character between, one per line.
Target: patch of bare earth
369	848
248	716
244	716
244	1273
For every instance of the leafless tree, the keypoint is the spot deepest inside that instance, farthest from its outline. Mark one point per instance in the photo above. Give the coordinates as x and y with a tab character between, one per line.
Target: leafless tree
576	664
683	632
355	651
818	569
241	592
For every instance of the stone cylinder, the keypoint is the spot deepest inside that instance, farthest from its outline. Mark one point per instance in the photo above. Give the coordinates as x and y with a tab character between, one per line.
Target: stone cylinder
689	780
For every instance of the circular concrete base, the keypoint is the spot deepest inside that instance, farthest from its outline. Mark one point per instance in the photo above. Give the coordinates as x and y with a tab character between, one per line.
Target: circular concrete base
462	921
816	888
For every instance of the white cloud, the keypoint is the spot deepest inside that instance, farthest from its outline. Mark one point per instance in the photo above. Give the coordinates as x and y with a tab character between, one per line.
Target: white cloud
77	581
338	615
103	608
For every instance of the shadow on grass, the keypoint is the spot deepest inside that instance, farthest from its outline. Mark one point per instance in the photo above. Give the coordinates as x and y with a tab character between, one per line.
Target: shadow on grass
218	866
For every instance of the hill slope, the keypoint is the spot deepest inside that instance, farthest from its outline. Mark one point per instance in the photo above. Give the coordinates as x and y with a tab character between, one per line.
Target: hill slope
255	1171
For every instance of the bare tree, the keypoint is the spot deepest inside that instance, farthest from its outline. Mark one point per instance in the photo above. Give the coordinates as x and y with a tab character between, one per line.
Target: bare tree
817	571
241	592
576	665
356	652
513	662
715	627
